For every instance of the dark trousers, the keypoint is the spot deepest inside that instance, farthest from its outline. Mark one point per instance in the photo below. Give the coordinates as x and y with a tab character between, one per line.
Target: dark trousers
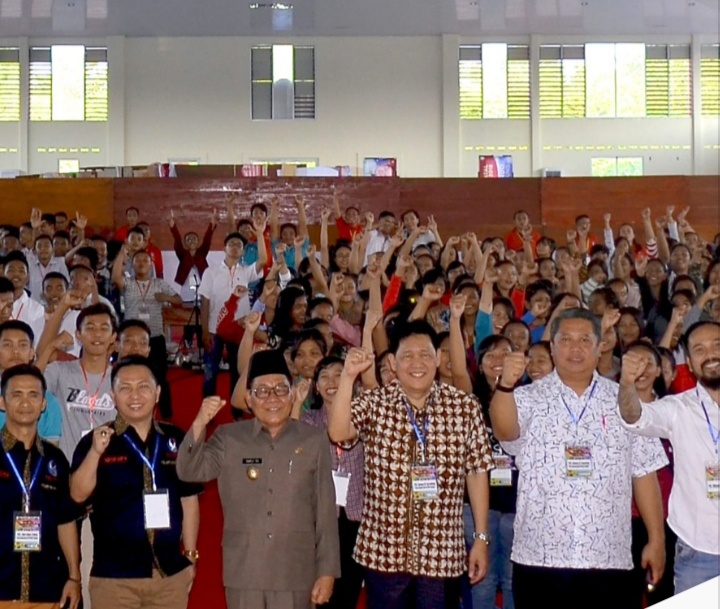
347	588
666	588
535	587
158	356
211	365
403	591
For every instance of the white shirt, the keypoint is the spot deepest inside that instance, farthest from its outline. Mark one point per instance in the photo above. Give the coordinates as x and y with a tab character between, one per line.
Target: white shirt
681	419
378	242
37	272
576	523
32	313
218	282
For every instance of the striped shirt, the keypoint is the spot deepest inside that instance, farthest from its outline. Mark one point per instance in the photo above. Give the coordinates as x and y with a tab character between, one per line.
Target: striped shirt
140	302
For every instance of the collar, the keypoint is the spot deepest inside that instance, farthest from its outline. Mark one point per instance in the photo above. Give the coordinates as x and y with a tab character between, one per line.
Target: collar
9	441
566	388
229	268
120	425
23	299
704	396
258	427
431	398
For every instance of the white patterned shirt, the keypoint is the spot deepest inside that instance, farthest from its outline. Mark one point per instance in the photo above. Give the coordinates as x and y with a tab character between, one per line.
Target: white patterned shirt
581	522
681	419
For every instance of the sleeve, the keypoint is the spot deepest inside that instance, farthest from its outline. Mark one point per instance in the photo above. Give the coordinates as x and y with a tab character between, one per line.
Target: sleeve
166	288
518	299
207	241
609	240
392	295
158	262
201	461
327	540
52	376
648	456
652	249
483	328
528	318
252	274
477	447
205	288
523	403
284	278
81	451
673	231
69	511
50	423
346	331
361	412
656	419
177	242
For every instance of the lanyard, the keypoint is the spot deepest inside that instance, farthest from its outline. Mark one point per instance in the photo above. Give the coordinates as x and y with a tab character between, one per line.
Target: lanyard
577	419
19	313
420	435
92	399
25	489
143	293
715	436
142	456
232	275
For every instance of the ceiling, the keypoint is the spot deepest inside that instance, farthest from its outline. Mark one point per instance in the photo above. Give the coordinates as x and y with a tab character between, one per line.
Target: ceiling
88	18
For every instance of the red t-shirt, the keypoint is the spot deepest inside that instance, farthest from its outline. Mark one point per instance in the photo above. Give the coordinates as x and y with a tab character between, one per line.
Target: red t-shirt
347	231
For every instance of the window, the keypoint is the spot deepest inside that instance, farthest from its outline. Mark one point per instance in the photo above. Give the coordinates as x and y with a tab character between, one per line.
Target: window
9	84
606	167
68	83
494	81
710	79
601	80
283	82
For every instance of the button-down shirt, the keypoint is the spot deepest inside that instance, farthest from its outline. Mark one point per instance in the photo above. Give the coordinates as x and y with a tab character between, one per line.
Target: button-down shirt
218	282
140	298
576	522
378	242
37	272
34	576
345	460
31	312
681	419
123	548
397	533
280	528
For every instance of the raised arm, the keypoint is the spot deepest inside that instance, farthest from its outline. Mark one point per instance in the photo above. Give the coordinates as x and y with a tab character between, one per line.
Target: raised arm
340	427
245	351
432	225
373	319
84	480
118	268
503	408
274	220
262	259
316	269
70	300
458	356
302	216
633	366
324	241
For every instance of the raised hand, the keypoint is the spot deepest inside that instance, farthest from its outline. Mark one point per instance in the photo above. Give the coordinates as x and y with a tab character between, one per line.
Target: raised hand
101	439
35	217
491	275
641	263
633	366
610	319
171	218
453	241
646	213
514	366
80	220
432	292
259	226
311	250
73	299
252	321
240	291
325	215
571	235
432	225
213	217
457	306
299	201
63	341
397	240
357	362
369	220
539	309
372	318
607	218
682	214
298	241
208	409
280	249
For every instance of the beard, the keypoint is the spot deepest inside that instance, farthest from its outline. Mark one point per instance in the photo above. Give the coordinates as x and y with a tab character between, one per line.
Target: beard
710	380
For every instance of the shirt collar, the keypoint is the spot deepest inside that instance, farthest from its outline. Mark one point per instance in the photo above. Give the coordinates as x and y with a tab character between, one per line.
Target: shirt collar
9	441
120	425
258	427
558	382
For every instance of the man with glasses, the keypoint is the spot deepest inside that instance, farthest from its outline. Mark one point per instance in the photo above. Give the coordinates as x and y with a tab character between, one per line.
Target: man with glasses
280	539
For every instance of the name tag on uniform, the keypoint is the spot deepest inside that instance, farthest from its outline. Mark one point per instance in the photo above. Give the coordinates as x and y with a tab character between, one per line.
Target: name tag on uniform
26	531
252	461
143	314
342	482
424	481
157	509
502	474
578	461
712	479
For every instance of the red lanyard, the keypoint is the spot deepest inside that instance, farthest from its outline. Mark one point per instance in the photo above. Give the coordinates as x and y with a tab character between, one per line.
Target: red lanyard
92	399
143	293
232	276
19	313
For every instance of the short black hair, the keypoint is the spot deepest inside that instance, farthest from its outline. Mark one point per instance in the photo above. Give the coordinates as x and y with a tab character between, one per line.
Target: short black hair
136	230
12	231
6	285
16	324
133	360
608	295
41	237
581	217
685	338
89	252
289	225
98	238
133	323
16	256
61	234
417	327
409	211
132	209
49	218
55	275
59	214
260	206
80	267
317	301
576	314
22	370
234	236
308	334
99	308
386	214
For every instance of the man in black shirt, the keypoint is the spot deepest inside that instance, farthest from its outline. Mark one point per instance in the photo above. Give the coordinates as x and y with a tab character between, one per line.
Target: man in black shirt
140	510
39	547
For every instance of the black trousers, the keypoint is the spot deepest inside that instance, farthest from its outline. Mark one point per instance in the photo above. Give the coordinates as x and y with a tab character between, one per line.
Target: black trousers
666	588
539	587
404	591
347	589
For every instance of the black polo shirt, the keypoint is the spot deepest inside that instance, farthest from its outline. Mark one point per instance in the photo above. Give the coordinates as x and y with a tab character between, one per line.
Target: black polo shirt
123	548
46	571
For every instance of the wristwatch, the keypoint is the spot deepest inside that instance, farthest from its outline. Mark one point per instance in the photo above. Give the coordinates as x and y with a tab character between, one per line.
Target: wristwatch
191	554
482	537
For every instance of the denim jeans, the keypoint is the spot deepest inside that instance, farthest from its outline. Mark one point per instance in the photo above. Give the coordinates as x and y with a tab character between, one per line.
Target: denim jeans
211	365
693	567
499	573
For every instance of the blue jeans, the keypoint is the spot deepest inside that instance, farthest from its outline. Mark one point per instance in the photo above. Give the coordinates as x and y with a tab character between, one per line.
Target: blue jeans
693	567
499	574
211	365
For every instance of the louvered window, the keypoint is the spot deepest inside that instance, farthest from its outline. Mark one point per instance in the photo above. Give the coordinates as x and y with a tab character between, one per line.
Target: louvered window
9	84
562	81
471	82
710	79
283	82
668	80
96	84
518	81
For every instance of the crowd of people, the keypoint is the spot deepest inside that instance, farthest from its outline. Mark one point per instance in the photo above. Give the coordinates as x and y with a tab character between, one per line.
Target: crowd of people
444	420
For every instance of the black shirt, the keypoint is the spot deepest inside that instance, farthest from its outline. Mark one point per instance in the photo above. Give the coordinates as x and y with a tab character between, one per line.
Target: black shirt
123	548
46	571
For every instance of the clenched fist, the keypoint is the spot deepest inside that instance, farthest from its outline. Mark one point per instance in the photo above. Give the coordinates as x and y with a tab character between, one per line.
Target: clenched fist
513	368
633	366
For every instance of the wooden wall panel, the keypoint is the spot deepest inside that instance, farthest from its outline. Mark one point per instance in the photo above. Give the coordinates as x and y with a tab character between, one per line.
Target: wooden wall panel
703	197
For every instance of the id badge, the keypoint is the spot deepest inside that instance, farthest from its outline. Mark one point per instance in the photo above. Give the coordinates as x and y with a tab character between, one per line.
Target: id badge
712	479
424	481
144	314
157	509
26	531
578	461
502	474
342	482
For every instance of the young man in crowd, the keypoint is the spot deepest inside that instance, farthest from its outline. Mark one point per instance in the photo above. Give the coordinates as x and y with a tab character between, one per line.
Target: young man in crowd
24	308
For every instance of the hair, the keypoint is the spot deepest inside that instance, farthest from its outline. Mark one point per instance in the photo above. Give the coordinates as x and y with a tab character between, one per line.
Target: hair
98	238
683	292
665	352
99	308
316	401
598	249
409	211
481	386
133	323
636	314
386	214
659	385
42	237
61	234
6	285
49	218
598	263
576	314
136	230
21	370
541	285
283	322
678	246
17	256
314	323
317	301
709	269
432	276
685	338
16	324
90	253
142	251
545	344
55	275
507	304
133	360
581	217
135	209
12	231
288	225
518	212
516	322
260	206
305	335
417	327
381	357
608	295
80	267
60	214
234	236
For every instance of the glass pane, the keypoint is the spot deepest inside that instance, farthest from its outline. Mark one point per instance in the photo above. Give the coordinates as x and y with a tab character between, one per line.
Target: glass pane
494	80
630	166
630	77
68	82
604	167
471	100
600	75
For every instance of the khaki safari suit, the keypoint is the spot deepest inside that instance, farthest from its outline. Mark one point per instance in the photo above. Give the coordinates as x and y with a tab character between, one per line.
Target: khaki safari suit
280	532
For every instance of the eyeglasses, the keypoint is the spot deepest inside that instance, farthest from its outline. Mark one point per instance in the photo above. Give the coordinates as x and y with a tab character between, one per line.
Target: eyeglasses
262	392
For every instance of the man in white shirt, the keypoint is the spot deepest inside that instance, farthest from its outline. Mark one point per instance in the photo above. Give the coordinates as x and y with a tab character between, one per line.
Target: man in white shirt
41	262
691	421
380	237
24	308
218	282
579	470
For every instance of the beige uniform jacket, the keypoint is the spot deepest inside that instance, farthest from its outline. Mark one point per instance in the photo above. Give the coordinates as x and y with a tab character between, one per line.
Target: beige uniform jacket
278	499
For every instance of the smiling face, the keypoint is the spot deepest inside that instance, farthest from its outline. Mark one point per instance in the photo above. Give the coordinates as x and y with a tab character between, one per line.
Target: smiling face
540	362
327	382
307	357
704	355
96	334
628	329
492	360
135	392
415	363
575	348
273	411
298	312
53	290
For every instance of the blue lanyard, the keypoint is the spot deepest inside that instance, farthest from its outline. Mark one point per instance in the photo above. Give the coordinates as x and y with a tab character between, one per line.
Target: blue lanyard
142	456
420	435
21	481
577	419
715	436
